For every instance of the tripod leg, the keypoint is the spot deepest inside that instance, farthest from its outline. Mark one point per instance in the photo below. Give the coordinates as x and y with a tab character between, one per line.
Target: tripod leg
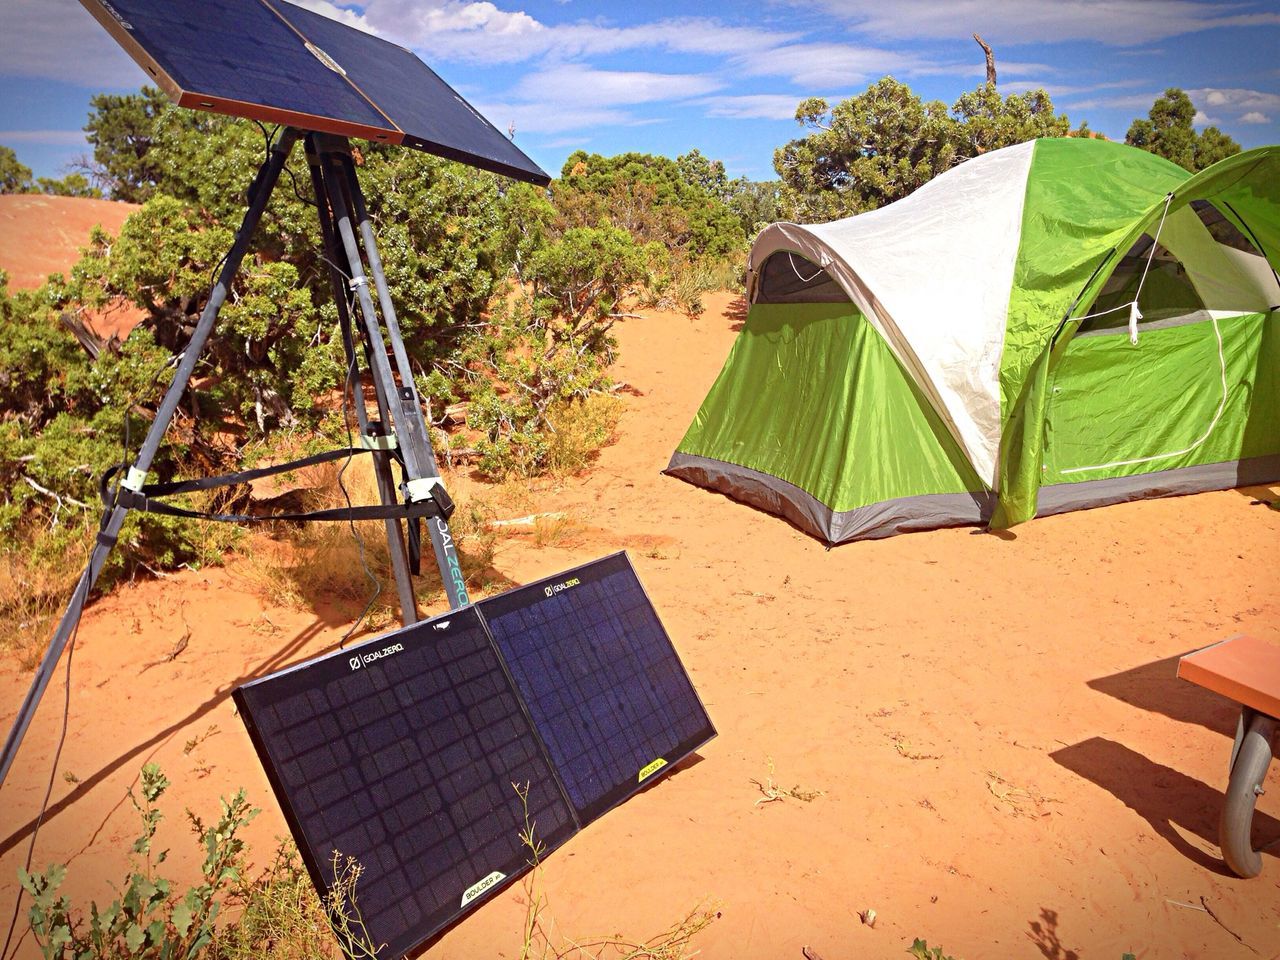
109	531
381	459
410	426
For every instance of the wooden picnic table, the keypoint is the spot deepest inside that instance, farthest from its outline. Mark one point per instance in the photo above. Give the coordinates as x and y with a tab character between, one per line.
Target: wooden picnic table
1247	670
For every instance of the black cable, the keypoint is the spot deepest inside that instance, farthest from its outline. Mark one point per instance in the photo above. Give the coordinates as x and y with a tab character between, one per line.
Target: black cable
53	773
296	192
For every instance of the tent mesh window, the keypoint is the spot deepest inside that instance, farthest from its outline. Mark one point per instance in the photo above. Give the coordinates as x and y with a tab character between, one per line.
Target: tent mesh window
1167	291
1222	229
787	277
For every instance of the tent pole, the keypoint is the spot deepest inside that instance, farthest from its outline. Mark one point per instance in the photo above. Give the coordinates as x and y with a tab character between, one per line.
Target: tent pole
355	384
113	519
411	429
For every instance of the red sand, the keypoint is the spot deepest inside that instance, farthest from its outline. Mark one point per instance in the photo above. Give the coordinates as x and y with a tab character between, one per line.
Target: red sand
1007	761
40	235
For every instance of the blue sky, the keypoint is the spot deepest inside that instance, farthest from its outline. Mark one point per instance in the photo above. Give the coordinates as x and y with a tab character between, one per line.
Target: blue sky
665	77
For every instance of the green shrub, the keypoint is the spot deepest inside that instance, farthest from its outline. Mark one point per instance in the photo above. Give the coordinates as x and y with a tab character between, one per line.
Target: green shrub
148	919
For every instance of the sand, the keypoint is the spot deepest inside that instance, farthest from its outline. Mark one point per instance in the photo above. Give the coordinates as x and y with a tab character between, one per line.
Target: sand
1007	765
41	235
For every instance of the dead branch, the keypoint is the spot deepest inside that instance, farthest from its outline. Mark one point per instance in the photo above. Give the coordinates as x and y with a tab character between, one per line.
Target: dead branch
60	498
991	59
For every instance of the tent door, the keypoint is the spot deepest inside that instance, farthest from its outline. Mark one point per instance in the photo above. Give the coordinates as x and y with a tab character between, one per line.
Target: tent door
1120	409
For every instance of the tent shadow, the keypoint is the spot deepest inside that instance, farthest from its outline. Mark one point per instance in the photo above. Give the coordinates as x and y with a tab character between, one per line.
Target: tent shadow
1155	687
1162	796
736	312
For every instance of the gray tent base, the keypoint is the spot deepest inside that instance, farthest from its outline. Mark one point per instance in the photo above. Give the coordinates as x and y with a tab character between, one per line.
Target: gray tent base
932	511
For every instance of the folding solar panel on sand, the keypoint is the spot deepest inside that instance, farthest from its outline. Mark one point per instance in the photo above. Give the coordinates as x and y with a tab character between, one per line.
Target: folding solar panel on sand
405	752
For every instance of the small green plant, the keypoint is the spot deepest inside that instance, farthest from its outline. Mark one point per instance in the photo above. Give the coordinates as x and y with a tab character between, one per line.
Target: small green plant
278	911
922	951
147	920
281	916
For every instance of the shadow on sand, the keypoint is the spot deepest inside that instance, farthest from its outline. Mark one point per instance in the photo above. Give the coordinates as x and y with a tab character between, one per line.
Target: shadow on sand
1155	687
1162	796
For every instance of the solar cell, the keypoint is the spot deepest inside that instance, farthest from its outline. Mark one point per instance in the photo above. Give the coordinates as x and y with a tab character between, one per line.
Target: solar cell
601	679
402	753
274	61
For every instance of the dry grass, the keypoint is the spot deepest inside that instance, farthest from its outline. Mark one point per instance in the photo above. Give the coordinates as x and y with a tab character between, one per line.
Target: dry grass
770	792
690	280
324	564
33	592
578	429
541	940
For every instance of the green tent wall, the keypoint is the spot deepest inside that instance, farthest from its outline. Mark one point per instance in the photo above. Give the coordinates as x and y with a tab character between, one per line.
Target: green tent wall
939	361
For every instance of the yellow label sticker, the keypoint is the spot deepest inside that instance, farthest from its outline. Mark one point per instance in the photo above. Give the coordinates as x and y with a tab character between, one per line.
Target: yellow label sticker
650	769
478	888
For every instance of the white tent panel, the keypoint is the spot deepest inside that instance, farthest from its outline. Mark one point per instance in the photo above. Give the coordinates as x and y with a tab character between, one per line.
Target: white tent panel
1226	279
932	273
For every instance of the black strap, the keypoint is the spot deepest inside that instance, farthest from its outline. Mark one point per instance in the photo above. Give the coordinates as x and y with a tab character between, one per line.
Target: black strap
145	499
390	511
415	546
231	479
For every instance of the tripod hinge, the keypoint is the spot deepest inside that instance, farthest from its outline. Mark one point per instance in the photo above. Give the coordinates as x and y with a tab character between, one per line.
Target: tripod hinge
375	442
134	480
355	283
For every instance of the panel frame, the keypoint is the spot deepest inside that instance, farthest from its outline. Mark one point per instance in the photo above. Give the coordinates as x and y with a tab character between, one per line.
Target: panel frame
577	818
113	22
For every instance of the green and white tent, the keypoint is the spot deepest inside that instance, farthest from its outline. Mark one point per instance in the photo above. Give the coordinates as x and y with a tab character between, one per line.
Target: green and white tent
1056	325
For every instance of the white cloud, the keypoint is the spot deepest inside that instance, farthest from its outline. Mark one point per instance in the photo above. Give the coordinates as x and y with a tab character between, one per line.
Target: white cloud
1064	91
480	32
817	65
754	106
1235	99
59	40
333	11
571	97
541	118
1127	101
1202	119
1254	116
580	84
1113	22
55	138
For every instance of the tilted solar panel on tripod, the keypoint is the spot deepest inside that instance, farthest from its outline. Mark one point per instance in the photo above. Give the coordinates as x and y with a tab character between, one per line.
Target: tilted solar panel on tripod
273	61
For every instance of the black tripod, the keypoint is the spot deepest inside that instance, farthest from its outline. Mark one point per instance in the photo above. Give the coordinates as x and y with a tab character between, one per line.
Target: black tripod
399	432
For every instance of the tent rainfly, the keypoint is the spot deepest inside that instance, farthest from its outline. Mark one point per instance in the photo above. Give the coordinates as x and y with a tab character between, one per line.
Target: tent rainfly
1061	324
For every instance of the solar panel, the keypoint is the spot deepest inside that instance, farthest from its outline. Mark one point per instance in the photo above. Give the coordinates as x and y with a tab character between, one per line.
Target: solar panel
601	679
273	61
402	752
